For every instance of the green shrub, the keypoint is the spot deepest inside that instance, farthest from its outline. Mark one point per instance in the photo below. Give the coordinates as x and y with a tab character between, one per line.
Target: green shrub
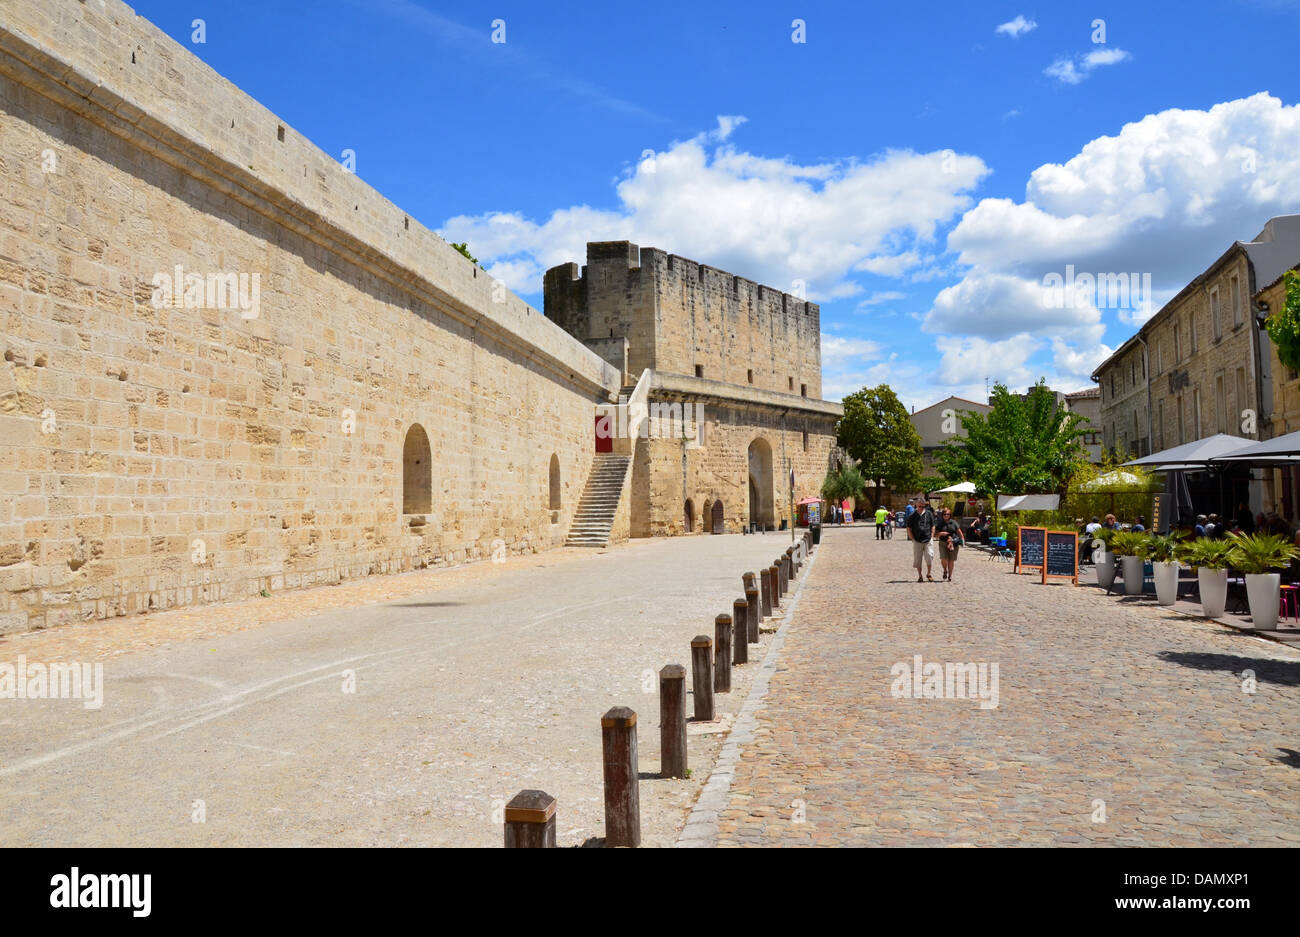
1161	548
1205	552
1260	553
1128	543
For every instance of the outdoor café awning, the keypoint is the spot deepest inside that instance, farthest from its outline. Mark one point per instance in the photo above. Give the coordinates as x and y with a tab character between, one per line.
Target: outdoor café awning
1029	502
1284	450
961	488
1118	481
1193	456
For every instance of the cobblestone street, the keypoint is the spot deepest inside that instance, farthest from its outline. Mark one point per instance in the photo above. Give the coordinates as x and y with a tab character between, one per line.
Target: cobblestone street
1104	704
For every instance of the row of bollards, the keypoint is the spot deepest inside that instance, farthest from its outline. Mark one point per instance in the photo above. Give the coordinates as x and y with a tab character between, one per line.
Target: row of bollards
530	815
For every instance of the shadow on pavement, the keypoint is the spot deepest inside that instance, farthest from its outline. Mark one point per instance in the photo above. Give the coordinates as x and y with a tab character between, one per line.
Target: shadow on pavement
1290	758
1281	672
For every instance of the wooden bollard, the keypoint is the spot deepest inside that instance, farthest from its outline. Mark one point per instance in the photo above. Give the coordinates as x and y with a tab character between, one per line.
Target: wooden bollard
622	794
723	636
530	821
702	676
765	589
747	582
740	644
672	721
782	581
774	586
751	617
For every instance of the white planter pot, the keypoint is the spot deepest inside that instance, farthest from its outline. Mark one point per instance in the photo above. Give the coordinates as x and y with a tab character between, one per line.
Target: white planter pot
1166	576
1132	574
1105	568
1263	592
1214	591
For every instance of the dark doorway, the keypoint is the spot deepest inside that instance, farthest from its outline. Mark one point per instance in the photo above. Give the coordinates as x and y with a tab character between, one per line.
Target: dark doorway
717	516
690	517
417	472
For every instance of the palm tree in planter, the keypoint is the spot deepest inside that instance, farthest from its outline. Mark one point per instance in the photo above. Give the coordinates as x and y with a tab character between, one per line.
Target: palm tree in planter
1103	557
1210	559
1131	548
1161	549
1257	555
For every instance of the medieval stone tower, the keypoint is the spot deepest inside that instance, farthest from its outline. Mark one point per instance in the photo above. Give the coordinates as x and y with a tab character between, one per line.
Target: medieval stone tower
749	354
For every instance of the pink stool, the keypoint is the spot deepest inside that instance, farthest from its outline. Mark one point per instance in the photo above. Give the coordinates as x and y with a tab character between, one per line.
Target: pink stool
1289	599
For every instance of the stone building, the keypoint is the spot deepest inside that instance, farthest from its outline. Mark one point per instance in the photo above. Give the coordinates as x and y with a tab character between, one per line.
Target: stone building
940	423
1087	404
1195	368
230	367
684	334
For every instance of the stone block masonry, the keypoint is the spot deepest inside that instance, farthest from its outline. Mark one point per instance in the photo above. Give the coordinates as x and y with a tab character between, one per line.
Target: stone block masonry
385	408
748	354
684	317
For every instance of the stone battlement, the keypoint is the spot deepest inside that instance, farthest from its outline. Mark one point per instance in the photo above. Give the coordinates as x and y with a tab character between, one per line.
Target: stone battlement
685	317
683	268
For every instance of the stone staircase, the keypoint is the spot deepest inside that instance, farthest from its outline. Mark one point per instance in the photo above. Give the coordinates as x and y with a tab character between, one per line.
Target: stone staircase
595	515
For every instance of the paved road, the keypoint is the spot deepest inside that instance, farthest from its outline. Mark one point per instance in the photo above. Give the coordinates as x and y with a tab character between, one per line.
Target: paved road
1103	704
462	697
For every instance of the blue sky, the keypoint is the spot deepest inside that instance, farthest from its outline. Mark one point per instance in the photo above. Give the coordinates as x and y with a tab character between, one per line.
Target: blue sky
921	169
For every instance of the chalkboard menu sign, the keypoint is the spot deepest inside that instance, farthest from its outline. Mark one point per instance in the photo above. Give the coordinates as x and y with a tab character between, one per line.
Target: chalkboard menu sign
1029	554
1062	555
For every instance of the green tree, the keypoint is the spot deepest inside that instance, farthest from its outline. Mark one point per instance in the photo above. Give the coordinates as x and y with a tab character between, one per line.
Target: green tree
846	482
877	431
1024	445
1284	325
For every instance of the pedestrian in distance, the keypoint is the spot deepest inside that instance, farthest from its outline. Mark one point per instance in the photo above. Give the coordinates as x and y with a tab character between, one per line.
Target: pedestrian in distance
881	516
920	530
947	533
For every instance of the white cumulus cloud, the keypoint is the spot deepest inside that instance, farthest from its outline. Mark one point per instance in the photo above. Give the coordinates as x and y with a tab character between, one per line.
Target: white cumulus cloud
1157	203
770	219
1072	71
1017	27
1166	195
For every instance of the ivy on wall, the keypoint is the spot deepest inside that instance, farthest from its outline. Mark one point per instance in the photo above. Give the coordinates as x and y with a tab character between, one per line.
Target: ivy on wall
1284	326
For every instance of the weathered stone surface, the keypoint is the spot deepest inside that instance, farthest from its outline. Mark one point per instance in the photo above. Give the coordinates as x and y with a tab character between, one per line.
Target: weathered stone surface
158	455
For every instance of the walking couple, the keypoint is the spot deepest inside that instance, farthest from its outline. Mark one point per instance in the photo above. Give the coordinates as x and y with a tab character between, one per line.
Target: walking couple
924	530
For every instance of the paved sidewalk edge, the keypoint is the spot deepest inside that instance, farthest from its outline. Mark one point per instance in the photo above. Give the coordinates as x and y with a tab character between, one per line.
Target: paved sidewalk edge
701	828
